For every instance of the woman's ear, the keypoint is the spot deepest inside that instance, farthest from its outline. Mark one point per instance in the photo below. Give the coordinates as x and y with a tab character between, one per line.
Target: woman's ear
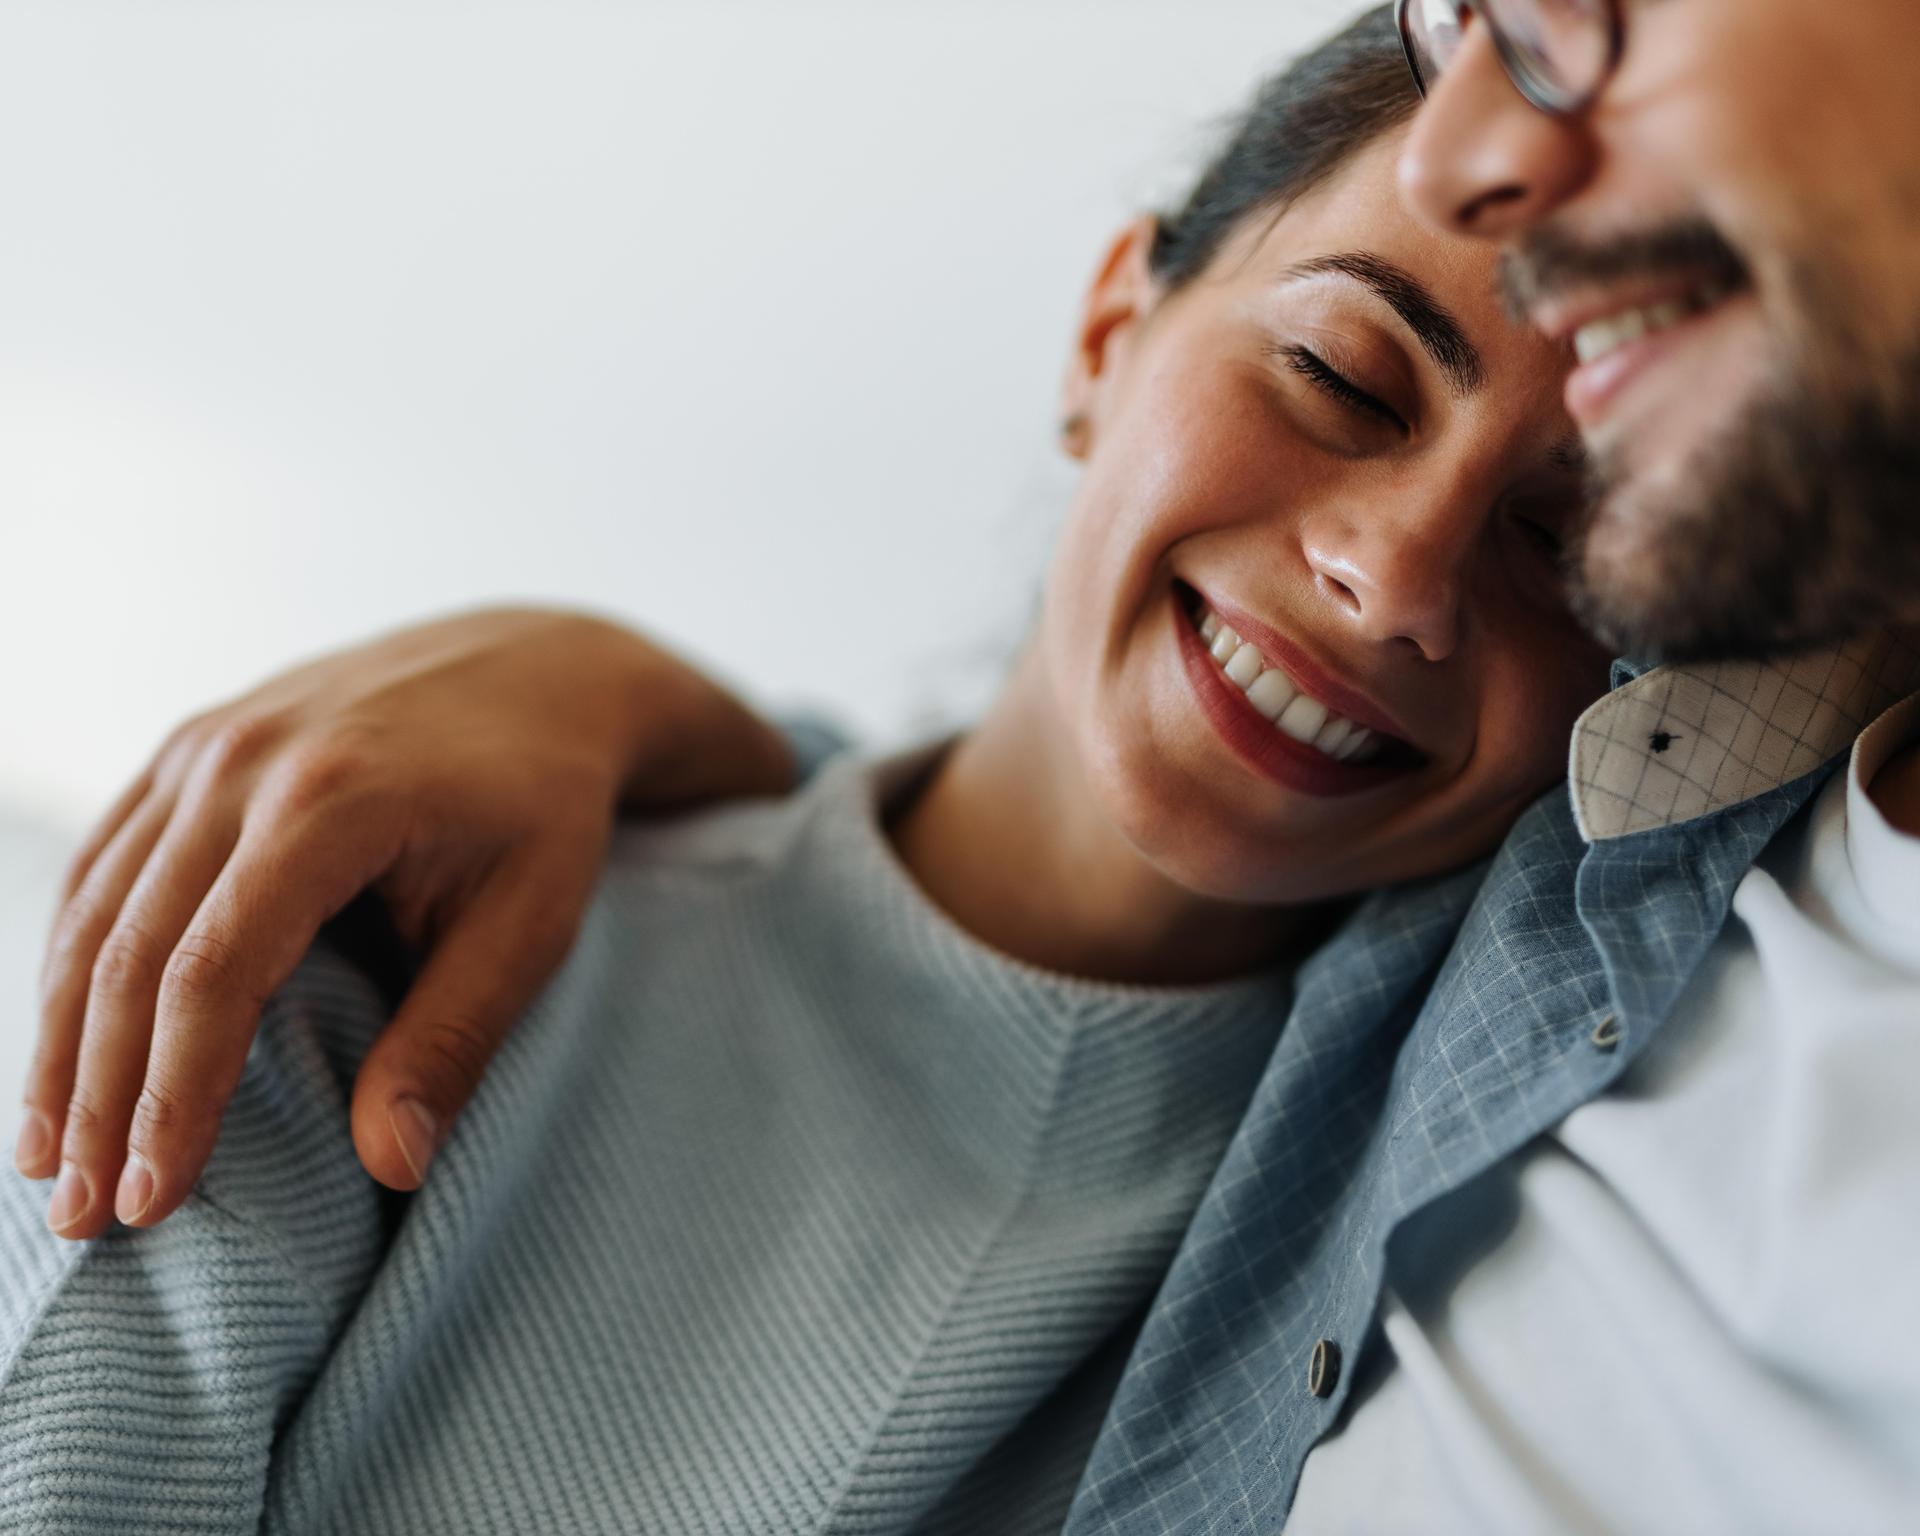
1118	299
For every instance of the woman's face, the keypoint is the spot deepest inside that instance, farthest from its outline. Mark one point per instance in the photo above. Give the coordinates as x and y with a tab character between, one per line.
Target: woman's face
1334	444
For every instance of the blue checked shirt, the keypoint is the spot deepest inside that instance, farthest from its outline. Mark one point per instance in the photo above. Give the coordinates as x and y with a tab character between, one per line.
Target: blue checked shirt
1414	1060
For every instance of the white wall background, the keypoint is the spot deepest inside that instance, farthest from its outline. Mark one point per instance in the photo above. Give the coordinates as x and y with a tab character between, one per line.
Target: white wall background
739	319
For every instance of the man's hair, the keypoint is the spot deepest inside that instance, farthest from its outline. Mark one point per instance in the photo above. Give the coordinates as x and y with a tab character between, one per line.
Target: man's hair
1303	124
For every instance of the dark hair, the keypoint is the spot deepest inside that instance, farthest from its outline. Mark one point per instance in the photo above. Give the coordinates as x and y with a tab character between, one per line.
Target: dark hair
1329	103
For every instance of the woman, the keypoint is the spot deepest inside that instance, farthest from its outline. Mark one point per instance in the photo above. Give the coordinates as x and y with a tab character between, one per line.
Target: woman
817	1189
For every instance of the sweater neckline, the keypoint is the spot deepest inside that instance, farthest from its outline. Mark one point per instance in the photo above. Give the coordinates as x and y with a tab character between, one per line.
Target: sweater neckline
862	788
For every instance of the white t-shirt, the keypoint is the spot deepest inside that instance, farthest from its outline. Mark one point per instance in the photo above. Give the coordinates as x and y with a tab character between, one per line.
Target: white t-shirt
1693	1306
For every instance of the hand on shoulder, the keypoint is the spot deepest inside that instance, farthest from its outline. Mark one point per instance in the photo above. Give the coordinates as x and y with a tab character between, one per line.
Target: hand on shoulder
468	769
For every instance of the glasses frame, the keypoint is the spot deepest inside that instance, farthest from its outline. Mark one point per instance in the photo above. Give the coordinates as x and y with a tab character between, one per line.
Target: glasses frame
1538	92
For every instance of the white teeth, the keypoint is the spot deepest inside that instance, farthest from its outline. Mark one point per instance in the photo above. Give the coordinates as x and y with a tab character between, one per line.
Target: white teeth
1603	336
1244	665
1663	315
1333	733
1271	692
1599	337
1303	718
1278	697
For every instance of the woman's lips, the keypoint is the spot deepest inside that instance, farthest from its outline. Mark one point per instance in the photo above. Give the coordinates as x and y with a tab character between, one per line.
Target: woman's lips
1258	742
1305	675
1280	697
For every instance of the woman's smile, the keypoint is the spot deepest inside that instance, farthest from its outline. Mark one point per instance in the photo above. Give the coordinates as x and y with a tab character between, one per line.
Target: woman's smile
1273	716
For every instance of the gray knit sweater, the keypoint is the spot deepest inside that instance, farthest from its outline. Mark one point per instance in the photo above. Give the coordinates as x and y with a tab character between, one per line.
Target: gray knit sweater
789	1207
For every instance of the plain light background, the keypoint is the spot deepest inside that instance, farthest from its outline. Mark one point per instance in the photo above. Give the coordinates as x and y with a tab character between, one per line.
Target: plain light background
734	319
741	321
738	320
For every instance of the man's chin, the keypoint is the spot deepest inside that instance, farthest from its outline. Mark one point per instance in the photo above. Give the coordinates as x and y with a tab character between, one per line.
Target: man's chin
1672	568
1791	527
1623	588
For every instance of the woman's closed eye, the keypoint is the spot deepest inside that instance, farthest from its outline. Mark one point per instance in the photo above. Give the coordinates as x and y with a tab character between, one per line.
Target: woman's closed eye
1311	366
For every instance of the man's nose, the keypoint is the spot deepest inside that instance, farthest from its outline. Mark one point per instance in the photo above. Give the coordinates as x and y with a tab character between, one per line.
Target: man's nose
1481	159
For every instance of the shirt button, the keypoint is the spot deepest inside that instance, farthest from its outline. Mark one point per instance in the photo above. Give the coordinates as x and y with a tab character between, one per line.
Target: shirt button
1323	1370
1606	1034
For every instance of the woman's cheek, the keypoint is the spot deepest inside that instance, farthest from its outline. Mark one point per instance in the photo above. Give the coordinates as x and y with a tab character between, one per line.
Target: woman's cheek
1530	714
1541	670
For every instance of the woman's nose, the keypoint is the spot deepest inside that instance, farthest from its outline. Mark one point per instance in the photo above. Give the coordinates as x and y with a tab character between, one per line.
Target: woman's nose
1481	160
1395	583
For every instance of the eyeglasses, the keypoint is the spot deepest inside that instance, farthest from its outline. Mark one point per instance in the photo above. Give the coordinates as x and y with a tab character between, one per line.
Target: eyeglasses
1558	53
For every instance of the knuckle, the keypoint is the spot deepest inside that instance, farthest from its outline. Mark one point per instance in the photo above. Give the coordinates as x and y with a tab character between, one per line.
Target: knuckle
235	745
323	774
185	736
456	1049
85	1117
191	742
202	966
128	963
159	1113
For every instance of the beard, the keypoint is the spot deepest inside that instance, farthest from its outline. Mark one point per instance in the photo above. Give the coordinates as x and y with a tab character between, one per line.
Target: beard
1796	524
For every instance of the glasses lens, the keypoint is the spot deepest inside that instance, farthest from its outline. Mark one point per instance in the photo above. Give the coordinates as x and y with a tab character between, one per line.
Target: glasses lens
1433	29
1563	46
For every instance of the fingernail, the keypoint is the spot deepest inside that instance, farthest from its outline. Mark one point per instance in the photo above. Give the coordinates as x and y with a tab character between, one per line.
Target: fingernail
36	1141
417	1132
71	1198
136	1190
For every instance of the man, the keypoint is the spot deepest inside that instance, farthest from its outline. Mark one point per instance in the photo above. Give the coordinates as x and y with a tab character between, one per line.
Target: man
1679	1306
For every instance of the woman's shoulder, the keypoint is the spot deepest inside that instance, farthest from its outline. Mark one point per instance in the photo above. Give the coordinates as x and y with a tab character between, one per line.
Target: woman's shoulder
734	840
836	807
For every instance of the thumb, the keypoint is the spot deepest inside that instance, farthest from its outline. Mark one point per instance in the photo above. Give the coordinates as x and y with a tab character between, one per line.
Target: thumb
478	977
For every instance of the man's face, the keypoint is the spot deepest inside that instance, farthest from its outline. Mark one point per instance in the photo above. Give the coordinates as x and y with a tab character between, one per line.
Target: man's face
1730	241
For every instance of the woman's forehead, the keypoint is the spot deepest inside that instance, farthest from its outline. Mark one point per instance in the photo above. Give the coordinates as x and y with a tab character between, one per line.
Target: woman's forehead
1359	208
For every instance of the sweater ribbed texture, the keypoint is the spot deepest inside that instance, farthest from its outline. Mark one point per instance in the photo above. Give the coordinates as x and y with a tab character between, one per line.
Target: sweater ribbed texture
788	1207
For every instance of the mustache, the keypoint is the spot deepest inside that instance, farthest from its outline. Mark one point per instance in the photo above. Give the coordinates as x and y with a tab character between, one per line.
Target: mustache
1546	262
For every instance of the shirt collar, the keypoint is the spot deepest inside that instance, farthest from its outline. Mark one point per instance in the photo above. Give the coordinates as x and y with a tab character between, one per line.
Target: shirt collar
1670	744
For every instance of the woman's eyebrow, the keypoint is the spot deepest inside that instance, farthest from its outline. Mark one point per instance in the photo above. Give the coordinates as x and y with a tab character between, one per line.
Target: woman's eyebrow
1433	326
